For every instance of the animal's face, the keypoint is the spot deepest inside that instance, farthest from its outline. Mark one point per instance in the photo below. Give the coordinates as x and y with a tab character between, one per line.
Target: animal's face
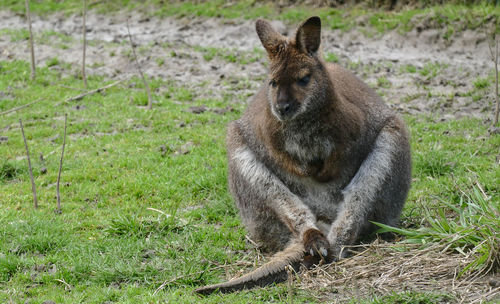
293	82
296	73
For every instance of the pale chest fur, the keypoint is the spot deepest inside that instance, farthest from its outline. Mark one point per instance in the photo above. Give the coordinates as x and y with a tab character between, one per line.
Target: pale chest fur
307	147
322	199
307	142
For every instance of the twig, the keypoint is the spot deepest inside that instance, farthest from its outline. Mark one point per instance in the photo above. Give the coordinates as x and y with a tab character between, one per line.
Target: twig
33	188
60	166
159	211
252	241
66	284
80	96
289	271
495	122
84	76
146	86
20	107
494	58
31	40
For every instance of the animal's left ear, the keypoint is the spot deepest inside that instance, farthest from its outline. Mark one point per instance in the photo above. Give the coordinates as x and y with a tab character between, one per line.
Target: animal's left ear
308	37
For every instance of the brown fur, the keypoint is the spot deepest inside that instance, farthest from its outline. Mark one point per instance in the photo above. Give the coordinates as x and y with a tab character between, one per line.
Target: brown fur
314	159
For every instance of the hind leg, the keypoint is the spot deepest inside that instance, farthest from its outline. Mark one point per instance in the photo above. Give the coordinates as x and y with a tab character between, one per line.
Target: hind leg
263	226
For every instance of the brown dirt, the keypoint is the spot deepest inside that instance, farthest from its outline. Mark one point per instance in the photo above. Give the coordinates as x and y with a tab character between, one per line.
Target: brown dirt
378	60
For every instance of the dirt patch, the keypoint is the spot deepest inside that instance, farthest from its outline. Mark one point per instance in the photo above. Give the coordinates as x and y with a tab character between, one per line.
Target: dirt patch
176	49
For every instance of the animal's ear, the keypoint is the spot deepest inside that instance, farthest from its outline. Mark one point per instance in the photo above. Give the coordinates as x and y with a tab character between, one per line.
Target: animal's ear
270	38
308	37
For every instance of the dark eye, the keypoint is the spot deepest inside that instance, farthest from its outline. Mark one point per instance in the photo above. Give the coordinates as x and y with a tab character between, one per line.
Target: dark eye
304	80
273	83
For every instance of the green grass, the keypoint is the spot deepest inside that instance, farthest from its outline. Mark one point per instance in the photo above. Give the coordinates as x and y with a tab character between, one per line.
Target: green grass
452	17
331	57
432	69
383	82
233	56
137	212
481	83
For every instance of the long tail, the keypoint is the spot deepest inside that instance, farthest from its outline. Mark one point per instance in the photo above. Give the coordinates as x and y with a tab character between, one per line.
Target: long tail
273	271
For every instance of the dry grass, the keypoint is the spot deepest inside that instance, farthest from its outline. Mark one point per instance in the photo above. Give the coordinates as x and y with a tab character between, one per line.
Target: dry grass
381	268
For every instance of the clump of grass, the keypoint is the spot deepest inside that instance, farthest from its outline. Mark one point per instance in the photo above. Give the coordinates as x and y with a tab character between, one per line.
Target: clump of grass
331	57
435	164
131	225
52	62
408	68
432	69
9	171
383	82
229	55
471	229
481	83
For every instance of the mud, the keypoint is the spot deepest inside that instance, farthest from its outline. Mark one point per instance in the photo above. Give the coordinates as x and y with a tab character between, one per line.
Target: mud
172	49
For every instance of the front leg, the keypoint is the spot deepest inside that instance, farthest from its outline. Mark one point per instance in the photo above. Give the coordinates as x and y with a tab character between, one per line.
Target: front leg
287	206
271	191
377	191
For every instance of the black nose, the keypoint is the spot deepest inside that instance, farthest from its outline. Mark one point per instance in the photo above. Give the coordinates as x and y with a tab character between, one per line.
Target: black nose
283	108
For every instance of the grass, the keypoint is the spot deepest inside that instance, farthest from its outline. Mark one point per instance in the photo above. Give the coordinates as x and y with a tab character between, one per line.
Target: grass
408	298
331	57
449	17
144	193
233	56
383	82
136	214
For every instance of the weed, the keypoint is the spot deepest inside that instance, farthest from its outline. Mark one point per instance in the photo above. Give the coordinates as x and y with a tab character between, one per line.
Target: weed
331	57
408	68
431	69
52	62
9	171
481	83
472	229
383	82
160	61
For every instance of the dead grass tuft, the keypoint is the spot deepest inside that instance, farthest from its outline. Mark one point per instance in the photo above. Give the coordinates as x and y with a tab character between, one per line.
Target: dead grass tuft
382	268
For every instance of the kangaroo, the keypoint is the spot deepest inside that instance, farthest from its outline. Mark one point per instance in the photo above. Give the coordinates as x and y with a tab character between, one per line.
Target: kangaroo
316	157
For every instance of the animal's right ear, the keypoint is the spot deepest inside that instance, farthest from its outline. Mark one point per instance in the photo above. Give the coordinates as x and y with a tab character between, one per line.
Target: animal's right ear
270	38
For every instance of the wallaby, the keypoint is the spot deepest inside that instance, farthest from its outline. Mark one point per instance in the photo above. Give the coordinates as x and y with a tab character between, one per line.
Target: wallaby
316	157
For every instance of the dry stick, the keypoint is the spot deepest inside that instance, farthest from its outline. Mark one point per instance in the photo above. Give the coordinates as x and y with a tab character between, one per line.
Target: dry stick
139	68
33	188
289	271
495	121
60	166
31	40
20	107
80	96
84	76
494	58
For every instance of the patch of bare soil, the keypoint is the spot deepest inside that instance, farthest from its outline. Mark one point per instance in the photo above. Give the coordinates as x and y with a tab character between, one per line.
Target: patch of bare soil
440	80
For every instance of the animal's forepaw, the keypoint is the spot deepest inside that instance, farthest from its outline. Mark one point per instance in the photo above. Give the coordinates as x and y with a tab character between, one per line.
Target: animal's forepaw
315	243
